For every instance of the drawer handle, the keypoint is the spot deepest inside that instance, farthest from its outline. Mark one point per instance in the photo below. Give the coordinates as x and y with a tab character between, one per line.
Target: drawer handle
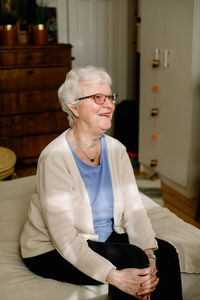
28	57
30	95
30	72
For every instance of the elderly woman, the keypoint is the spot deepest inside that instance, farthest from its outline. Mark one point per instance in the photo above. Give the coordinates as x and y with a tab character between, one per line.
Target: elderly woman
87	224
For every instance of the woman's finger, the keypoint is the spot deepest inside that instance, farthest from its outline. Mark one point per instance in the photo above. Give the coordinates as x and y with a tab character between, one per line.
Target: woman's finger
148	288
151	278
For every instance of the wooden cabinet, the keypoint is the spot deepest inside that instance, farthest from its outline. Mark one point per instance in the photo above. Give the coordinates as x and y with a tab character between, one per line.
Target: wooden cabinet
30	113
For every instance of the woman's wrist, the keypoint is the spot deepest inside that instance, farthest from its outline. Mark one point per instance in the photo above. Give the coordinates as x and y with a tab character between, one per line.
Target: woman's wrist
149	251
151	255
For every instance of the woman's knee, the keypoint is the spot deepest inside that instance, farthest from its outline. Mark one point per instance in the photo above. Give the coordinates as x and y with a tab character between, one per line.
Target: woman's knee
167	252
121	255
166	247
137	257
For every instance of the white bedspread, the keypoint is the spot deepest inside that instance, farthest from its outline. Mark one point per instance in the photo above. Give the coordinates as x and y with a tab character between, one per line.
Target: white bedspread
184	237
18	283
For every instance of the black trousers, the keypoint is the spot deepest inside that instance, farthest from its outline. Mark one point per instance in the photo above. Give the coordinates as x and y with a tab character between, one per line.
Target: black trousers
123	255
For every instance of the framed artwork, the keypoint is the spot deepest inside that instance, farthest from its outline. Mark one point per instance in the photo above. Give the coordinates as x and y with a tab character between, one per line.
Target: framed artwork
57	12
52	24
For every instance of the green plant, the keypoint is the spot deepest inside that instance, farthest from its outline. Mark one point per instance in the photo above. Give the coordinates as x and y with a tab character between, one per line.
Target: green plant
8	17
41	13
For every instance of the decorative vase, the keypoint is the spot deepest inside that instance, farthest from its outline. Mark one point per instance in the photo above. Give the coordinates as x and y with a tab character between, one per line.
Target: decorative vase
24	33
23	37
9	35
40	34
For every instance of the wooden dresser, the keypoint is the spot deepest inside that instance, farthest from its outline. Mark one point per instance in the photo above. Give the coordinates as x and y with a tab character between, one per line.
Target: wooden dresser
30	113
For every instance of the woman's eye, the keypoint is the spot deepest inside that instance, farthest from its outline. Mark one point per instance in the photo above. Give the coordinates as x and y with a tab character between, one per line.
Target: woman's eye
111	97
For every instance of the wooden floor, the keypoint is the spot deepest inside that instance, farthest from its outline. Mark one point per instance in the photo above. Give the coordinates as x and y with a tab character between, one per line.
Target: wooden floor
184	208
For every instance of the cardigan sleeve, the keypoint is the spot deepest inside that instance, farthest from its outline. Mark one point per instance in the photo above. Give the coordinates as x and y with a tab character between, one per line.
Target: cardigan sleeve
136	221
56	189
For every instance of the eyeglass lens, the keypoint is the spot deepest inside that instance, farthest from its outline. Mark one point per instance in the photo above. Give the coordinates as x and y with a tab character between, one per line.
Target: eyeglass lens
101	98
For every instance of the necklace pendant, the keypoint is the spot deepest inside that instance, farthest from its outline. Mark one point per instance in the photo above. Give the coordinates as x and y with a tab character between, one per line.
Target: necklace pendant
91	159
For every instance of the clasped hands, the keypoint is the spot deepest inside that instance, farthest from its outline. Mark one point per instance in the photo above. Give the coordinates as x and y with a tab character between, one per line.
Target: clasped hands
139	283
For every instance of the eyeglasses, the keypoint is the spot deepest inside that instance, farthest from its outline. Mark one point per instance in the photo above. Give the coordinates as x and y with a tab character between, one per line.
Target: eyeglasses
100	98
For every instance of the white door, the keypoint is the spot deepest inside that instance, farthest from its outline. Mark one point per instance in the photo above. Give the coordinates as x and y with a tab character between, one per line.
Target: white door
169	27
97	29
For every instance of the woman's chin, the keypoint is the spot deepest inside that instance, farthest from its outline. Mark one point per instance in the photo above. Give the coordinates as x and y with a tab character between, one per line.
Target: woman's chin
106	123
105	128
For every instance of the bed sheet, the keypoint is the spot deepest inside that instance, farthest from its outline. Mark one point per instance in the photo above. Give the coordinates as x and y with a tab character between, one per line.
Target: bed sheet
18	283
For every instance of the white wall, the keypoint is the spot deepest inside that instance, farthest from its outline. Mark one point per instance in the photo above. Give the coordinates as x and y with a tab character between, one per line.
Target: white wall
102	33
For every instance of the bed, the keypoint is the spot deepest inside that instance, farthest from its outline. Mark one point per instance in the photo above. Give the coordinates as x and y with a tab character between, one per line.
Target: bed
18	283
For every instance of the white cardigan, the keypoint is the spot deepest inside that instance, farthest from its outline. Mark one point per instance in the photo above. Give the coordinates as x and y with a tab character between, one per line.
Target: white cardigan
60	215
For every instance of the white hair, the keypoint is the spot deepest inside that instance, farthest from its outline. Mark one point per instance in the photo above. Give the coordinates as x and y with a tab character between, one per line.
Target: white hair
71	89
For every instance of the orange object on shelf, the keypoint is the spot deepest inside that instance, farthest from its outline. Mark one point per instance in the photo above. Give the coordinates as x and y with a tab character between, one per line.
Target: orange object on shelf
8	35
40	34
155	88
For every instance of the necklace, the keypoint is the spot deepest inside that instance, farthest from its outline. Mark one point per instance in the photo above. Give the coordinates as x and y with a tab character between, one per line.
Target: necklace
93	159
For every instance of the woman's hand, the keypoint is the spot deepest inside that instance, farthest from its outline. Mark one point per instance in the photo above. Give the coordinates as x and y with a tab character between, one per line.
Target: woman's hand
150	283
136	282
154	279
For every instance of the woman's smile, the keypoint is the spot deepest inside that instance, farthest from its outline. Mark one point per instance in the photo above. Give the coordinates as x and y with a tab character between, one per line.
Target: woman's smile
106	115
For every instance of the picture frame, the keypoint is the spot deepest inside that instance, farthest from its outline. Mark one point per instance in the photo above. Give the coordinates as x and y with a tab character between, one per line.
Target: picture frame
61	18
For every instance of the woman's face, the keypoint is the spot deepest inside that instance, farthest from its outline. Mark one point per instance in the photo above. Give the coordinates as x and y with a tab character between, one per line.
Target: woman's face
94	117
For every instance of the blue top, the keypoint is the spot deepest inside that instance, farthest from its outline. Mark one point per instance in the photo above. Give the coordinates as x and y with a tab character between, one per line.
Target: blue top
98	184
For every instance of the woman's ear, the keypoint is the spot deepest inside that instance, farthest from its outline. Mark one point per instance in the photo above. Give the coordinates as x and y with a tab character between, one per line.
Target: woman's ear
73	109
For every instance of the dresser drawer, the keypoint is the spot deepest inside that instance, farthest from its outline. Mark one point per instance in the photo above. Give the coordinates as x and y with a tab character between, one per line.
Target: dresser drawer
28	148
33	55
31	124
31	101
32	78
30	113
